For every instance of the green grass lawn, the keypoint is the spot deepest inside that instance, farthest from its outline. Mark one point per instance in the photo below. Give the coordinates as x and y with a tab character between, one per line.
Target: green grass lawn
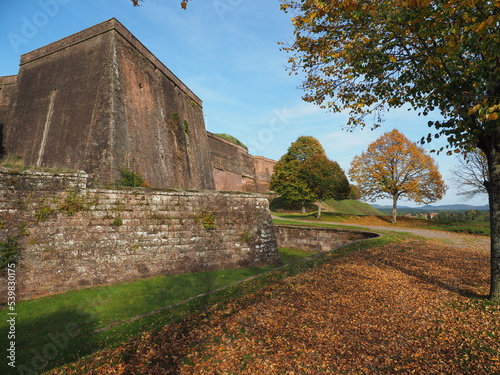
458	226
65	327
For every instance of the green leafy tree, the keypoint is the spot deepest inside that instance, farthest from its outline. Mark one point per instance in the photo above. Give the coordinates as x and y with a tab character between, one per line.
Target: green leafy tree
325	179
438	56
287	180
355	194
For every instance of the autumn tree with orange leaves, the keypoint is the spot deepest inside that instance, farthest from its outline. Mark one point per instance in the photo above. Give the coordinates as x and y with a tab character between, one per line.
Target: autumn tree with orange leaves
394	167
441	57
438	56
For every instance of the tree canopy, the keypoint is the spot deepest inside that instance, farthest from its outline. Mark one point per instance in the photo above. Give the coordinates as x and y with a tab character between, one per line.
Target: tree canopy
304	174
441	57
286	179
325	179
393	167
367	56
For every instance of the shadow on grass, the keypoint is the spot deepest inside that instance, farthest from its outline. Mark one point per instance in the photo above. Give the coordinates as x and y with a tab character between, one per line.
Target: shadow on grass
39	347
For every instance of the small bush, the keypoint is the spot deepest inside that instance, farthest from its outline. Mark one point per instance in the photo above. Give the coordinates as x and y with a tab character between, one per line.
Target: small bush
131	179
73	203
43	213
117	222
9	251
207	219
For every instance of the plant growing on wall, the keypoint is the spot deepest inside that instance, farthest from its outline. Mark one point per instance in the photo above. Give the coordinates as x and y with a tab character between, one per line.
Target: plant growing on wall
207	219
132	179
73	203
9	251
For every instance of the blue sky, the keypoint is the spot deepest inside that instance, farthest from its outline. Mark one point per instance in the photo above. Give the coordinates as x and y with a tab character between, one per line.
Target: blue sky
227	52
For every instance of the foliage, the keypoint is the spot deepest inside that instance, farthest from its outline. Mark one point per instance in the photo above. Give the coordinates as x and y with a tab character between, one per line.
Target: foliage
287	179
73	203
471	176
43	213
131	179
186	128
394	167
232	139
137	3
9	251
325	179
207	219
433	54
469	215
117	222
354	194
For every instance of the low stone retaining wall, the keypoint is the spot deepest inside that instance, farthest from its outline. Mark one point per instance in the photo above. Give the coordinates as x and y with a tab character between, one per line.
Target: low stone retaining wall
76	238
317	239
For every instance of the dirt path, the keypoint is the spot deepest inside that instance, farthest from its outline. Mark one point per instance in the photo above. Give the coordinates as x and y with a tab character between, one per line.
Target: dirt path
451	239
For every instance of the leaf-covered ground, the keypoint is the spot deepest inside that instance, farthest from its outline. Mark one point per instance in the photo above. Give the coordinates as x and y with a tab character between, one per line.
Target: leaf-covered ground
412	307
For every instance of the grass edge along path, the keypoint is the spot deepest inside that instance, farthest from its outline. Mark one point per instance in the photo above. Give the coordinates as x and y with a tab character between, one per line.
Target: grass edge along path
222	296
388	309
62	328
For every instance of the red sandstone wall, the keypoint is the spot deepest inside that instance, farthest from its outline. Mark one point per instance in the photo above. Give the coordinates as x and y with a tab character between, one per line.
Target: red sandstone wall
236	170
63	113
7	98
317	239
263	171
99	101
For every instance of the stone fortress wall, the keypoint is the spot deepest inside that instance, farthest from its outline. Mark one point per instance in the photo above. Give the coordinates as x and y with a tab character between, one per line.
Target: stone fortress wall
99	101
235	169
72	237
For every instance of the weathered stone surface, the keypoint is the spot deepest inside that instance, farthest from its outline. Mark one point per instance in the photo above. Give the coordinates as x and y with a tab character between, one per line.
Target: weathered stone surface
39	180
317	239
8	91
99	101
235	169
79	238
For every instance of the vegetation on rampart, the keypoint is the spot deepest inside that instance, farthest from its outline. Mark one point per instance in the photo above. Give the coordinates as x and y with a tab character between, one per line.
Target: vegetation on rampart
232	139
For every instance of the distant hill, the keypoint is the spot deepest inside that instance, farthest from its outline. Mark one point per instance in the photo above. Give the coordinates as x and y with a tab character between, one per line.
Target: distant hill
430	208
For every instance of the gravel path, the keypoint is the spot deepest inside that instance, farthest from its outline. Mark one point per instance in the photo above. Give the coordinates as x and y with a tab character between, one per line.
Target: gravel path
451	239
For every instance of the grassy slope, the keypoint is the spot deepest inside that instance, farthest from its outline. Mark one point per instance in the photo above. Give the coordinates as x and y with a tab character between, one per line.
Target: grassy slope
70	320
351	207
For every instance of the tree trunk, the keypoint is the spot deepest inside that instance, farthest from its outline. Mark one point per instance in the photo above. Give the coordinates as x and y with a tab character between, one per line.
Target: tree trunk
319	210
303	207
494	199
491	148
394	208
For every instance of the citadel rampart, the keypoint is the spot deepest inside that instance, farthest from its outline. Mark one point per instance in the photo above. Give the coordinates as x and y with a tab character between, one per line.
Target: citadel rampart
235	169
99	101
70	238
